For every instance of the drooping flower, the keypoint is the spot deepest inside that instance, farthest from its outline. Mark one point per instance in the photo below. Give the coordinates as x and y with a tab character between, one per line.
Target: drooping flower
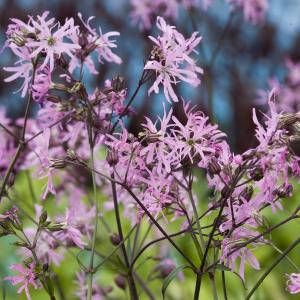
23	68
26	278
231	251
170	60
41	85
101	42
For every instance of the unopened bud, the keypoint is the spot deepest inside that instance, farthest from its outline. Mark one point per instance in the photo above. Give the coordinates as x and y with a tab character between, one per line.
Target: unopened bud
166	267
214	167
43	217
118	83
71	155
247	192
19	40
257	174
284	191
115	239
120	281
112	157
57	163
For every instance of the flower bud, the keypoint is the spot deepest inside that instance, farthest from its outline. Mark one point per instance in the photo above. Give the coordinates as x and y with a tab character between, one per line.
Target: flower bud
19	40
256	174
71	155
214	167
43	217
112	157
247	192
118	83
120	281
284	191
225	192
165	267
115	239
57	163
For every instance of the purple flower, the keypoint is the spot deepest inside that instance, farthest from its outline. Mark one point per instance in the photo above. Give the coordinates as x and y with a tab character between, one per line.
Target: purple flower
23	68
52	44
101	43
254	10
171	61
293	283
41	85
26	277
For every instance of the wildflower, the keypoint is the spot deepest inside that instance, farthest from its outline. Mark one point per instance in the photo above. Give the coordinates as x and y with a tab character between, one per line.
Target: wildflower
254	10
293	283
171	61
23	68
52	44
26	277
101	43
195	138
41	85
232	245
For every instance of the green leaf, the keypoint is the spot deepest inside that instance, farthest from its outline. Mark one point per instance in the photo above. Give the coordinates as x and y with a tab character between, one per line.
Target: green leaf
171	276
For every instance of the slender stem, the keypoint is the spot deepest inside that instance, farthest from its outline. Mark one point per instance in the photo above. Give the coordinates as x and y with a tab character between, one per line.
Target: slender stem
158	226
21	142
197	287
144	286
274	264
131	283
91	264
9	132
224	285
142	80
202	242
30	185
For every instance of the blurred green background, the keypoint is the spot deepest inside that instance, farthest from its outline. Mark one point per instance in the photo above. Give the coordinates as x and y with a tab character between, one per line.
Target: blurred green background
180	288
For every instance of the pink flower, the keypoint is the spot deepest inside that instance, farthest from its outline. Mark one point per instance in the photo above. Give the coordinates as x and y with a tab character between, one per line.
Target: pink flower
23	68
26	277
52	44
157	149
195	138
41	85
73	225
254	10
101	43
171	61
231	243
293	283
144	11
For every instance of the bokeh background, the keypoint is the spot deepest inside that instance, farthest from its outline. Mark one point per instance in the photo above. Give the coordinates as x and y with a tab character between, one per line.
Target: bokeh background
247	58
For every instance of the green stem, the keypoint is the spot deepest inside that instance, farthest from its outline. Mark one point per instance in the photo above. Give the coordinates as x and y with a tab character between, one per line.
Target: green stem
274	264
91	264
131	283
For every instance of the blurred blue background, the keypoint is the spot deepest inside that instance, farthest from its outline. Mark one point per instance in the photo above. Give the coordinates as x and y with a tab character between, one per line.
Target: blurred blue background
249	55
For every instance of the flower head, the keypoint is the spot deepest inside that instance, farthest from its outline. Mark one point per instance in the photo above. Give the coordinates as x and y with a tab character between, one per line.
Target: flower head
170	60
26	277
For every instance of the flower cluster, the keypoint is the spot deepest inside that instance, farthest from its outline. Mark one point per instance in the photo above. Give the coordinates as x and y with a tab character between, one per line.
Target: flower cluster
143	12
171	61
78	142
286	94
